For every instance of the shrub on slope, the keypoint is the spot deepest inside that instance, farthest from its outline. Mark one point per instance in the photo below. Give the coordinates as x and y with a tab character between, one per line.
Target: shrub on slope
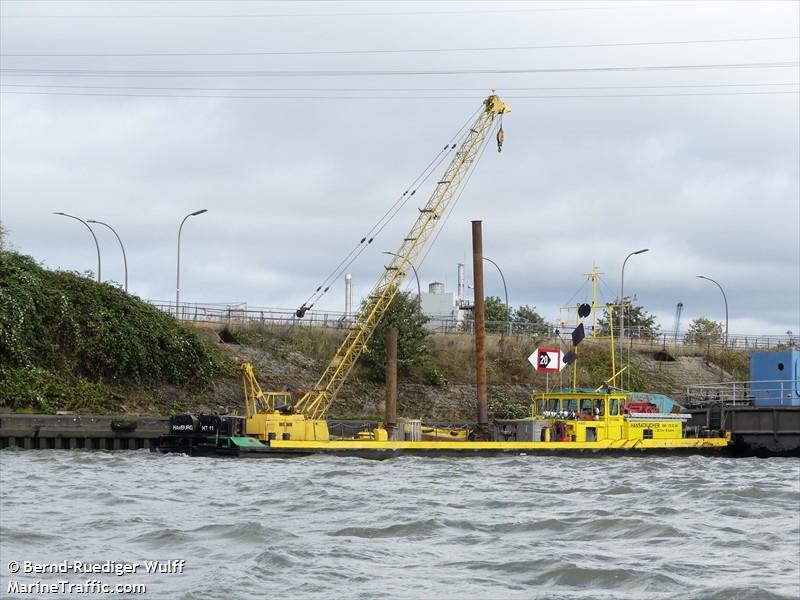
63	337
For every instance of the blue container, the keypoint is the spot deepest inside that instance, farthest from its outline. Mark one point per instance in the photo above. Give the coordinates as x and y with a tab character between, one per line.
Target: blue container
775	378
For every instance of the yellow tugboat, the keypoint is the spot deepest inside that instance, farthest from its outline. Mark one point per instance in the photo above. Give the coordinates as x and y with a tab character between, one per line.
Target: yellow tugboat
565	422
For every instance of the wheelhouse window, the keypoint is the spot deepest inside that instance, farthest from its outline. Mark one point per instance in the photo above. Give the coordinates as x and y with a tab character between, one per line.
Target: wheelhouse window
593	407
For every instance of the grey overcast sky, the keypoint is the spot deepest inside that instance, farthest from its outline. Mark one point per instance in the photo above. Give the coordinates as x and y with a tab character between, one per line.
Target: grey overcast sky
137	113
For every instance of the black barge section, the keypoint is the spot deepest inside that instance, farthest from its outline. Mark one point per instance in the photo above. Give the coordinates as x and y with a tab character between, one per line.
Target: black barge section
755	430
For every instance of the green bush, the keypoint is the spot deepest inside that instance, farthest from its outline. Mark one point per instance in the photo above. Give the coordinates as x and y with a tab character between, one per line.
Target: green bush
435	376
412	349
503	407
63	337
44	391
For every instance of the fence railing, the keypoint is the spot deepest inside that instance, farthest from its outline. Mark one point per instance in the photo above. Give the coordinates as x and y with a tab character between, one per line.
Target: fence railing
742	393
742	341
240	314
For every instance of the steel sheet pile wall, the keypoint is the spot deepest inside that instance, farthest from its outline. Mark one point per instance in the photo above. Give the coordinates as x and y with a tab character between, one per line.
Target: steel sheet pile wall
70	432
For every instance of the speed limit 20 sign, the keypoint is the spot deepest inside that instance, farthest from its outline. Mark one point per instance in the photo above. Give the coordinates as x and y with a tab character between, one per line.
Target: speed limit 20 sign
547	359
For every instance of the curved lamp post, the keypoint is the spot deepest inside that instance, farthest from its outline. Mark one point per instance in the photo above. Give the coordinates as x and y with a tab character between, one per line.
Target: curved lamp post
124	258
726	303
505	289
622	293
93	236
178	277
416	276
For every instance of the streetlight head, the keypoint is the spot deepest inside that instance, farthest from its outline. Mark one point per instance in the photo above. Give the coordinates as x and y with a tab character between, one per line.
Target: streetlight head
60	213
199	212
92	221
702	277
642	251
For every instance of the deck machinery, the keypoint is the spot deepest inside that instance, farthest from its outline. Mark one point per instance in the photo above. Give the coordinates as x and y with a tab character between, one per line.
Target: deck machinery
579	422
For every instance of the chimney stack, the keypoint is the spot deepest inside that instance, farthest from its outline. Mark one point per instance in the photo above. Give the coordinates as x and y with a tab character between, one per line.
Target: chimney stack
348	295
460	281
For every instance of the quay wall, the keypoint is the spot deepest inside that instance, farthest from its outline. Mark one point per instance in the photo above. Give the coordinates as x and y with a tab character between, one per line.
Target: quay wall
70	432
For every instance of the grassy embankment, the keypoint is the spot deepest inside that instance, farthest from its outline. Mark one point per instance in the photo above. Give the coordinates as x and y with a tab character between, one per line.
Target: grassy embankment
70	344
292	357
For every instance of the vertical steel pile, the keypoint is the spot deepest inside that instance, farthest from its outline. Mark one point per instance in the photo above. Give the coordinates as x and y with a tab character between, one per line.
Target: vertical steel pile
391	381
480	329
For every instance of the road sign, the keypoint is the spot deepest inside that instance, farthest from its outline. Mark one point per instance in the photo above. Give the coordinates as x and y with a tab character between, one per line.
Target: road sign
547	359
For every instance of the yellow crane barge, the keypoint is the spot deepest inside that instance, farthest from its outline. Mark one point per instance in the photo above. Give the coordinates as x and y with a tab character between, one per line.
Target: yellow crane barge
561	423
565	422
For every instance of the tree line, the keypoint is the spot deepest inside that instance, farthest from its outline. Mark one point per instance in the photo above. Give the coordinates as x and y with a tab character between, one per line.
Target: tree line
405	314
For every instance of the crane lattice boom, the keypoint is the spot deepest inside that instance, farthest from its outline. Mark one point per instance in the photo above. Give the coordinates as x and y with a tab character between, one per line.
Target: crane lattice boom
315	403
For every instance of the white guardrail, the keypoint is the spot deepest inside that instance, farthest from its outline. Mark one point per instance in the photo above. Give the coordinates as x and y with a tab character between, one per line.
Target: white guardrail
240	314
742	393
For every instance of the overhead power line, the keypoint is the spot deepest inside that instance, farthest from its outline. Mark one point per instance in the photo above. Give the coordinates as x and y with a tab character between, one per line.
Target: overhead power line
251	97
395	50
278	15
373	73
384	89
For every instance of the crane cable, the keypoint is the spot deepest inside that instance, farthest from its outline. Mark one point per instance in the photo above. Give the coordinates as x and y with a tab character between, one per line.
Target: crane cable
389	214
367	239
383	221
453	204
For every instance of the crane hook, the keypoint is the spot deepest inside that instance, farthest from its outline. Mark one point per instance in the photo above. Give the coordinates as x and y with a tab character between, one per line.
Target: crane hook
500	137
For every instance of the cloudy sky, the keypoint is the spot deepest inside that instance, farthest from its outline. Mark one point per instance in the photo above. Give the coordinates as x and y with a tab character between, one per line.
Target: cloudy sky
664	125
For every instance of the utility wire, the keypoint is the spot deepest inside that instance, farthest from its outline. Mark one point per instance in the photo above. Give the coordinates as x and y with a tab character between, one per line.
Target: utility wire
375	14
393	51
360	89
372	73
553	96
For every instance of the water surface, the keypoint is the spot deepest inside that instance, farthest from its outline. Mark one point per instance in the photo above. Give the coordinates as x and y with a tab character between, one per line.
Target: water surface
326	527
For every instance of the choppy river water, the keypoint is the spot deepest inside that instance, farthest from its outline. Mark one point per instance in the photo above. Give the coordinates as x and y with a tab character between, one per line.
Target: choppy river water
323	527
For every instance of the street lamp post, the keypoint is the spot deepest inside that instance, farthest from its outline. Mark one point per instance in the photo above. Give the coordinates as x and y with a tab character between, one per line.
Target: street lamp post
124	258
97	245
416	276
622	294
178	277
726	303
505	290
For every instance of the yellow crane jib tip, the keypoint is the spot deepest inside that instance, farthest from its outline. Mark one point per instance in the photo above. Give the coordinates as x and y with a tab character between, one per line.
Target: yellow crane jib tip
496	106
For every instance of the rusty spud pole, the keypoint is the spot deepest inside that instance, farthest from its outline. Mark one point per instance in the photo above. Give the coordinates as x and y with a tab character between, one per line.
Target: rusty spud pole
480	328
391	381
